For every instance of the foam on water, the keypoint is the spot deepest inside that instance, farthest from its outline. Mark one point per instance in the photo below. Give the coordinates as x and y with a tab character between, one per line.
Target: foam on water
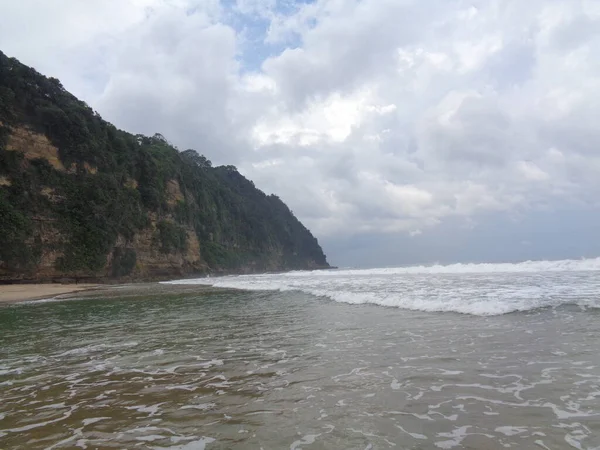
478	289
43	300
237	369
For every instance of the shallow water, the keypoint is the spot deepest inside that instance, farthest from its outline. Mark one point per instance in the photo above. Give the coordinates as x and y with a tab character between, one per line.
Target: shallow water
160	366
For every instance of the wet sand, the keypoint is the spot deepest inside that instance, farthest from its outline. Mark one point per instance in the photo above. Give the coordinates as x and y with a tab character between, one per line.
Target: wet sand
11	293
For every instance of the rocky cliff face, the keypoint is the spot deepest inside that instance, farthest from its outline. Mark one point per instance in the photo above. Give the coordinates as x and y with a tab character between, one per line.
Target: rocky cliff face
150	263
81	199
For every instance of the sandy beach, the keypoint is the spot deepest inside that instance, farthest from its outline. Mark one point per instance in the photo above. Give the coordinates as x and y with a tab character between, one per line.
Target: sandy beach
21	292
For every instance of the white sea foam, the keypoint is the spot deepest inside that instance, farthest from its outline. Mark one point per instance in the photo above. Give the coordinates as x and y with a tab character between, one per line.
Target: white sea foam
195	445
42	300
93	420
478	289
95	348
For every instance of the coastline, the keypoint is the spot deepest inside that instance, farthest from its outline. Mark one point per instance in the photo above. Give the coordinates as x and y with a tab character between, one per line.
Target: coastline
15	293
23	292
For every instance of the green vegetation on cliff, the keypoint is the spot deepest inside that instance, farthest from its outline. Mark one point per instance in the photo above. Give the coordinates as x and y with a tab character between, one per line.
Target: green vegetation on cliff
78	197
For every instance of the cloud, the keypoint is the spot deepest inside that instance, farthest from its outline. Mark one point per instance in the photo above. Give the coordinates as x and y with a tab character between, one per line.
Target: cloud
396	119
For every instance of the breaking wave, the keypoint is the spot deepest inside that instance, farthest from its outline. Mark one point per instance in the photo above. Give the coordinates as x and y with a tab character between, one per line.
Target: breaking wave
478	289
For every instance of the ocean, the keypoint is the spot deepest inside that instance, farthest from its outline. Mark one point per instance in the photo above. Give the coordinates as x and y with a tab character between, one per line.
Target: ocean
475	356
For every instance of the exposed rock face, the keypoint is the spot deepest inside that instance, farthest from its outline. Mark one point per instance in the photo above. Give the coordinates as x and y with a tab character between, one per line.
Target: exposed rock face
152	263
34	145
51	241
174	193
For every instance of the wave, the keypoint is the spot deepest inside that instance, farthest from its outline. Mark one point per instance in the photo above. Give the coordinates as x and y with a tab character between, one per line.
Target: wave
565	265
477	289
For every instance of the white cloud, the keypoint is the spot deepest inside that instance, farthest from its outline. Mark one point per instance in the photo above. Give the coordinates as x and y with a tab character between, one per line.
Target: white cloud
331	120
373	116
531	171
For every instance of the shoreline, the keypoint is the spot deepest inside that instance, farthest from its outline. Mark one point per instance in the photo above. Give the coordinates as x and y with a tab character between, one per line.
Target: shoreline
24	292
16	293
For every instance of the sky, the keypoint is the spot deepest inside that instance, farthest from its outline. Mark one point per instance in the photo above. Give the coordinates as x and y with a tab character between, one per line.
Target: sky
398	131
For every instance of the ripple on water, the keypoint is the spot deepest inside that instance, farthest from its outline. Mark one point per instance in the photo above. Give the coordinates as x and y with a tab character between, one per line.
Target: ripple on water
290	371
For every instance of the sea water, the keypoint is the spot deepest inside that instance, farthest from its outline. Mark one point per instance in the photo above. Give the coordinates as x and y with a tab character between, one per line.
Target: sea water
478	289
463	356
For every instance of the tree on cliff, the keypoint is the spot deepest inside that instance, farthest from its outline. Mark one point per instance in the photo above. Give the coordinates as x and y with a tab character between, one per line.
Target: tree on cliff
103	187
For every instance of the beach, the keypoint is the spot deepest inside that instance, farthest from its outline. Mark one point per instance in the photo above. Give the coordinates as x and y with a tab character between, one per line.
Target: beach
189	366
11	293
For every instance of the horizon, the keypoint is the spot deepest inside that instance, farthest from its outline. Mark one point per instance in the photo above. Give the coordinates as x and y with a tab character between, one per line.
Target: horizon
399	133
437	264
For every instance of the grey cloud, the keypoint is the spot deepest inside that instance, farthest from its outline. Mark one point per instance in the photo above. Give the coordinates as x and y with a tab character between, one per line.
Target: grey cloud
175	75
575	32
468	123
476	130
560	234
513	65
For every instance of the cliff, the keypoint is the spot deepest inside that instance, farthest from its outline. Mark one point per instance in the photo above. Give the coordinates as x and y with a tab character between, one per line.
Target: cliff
81	199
